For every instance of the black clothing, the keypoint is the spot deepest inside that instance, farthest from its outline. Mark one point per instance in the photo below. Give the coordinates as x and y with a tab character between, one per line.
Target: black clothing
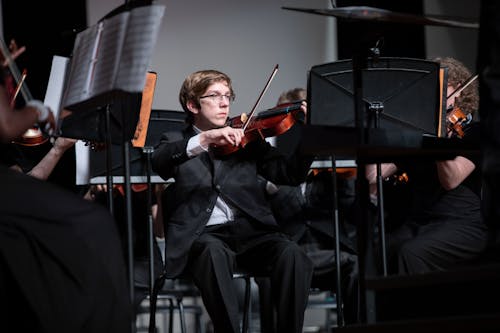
61	265
140	233
443	228
253	248
307	218
252	241
9	155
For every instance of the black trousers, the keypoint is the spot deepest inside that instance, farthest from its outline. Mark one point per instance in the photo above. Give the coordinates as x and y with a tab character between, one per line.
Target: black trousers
325	281
420	248
259	250
61	262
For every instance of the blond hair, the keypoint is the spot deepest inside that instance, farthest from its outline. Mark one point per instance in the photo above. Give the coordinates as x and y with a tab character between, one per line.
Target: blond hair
196	84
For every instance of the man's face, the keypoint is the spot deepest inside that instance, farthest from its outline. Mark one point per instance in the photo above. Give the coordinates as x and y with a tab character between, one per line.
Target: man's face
214	107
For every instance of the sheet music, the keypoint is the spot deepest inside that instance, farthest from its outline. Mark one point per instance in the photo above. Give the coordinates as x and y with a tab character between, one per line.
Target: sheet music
80	66
113	54
55	87
138	48
82	151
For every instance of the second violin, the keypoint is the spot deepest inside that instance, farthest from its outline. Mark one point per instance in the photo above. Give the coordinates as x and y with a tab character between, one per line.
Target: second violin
456	121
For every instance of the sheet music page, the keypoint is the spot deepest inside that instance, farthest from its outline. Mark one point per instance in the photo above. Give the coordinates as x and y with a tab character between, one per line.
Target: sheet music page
55	87
109	53
113	54
82	151
81	62
140	39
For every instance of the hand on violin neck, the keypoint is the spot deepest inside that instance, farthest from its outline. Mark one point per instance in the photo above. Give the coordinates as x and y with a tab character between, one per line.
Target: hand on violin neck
222	137
49	125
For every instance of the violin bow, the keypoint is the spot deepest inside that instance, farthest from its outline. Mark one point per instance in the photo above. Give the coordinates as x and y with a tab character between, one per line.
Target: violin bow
15	71
463	86
18	88
268	83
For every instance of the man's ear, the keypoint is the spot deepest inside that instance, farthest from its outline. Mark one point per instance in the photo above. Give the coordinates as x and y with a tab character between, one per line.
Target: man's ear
193	107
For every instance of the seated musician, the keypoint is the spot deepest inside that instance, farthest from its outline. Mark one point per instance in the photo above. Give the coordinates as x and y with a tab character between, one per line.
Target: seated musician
61	265
140	219
305	213
218	217
443	227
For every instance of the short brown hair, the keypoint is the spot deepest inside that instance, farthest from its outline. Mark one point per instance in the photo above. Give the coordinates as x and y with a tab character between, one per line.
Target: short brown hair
292	95
196	84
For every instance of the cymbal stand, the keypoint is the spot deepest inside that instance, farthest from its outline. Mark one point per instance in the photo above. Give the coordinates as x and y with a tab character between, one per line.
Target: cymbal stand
364	219
339	296
128	196
375	109
148	151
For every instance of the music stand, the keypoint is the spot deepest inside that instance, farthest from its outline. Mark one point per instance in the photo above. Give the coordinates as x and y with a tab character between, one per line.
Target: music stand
397	94
108	70
393	90
159	122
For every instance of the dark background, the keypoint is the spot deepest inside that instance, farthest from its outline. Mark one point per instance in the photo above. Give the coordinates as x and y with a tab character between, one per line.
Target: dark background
50	30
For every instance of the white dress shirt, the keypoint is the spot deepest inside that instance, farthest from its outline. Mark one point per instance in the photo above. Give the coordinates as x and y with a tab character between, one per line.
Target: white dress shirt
222	211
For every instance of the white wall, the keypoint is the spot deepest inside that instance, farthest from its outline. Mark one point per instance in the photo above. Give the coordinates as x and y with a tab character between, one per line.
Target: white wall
459	43
244	39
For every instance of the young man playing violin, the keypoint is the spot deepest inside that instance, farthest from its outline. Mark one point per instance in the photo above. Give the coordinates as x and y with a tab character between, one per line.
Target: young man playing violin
443	228
218	218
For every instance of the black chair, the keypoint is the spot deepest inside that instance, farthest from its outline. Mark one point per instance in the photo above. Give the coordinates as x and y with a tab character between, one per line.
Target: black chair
175	298
247	308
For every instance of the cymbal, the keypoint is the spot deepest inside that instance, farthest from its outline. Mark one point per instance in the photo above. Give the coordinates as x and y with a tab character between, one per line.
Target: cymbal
364	13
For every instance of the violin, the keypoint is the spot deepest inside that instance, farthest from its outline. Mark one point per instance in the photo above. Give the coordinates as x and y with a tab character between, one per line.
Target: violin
456	120
267	123
33	136
399	178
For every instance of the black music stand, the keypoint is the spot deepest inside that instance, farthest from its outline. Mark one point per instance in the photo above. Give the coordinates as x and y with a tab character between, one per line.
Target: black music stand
104	88
395	94
159	122
393	89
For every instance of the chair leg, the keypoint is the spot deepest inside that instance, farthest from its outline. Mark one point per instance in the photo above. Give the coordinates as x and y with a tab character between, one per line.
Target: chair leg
152	302
171	316
247	305
182	318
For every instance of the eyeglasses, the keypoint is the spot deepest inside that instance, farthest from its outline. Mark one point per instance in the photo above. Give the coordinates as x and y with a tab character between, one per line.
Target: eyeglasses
218	98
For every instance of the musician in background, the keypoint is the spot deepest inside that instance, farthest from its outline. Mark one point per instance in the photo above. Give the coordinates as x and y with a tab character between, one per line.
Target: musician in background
443	227
140	231
218	217
305	213
61	266
32	152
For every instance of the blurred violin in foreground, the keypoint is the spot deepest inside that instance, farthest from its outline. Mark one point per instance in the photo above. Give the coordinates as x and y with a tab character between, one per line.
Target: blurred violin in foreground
34	135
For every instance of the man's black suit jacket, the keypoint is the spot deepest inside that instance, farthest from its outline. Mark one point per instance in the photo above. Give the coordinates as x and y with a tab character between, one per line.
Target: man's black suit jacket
198	181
